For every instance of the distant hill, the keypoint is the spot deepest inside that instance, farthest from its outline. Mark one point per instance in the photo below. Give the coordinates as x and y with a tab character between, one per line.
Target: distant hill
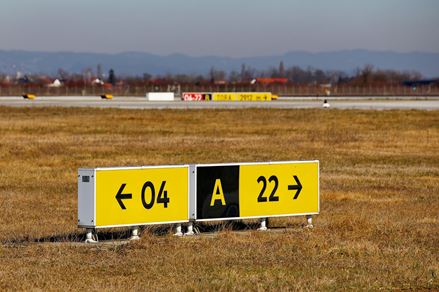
136	63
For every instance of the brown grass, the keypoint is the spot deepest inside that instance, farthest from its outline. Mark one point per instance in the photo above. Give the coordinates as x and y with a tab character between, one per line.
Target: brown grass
378	227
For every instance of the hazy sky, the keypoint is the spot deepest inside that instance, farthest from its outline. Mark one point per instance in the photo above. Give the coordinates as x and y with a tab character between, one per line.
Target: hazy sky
219	27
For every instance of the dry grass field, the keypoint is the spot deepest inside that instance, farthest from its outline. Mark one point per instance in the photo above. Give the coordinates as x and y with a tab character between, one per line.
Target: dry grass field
378	227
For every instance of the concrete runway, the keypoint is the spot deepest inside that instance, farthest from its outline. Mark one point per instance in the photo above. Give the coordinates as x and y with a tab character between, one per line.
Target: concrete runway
283	103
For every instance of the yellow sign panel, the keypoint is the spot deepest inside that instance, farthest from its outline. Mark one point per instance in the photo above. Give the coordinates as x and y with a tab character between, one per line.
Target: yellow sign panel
241	96
141	196
279	189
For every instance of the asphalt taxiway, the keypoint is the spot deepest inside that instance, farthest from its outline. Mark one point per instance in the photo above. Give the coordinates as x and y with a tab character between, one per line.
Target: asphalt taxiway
281	103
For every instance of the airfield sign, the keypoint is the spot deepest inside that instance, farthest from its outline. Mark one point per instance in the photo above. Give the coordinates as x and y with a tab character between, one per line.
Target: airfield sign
256	190
133	196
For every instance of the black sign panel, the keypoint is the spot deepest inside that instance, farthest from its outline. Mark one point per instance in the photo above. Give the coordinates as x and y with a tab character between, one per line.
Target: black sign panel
217	192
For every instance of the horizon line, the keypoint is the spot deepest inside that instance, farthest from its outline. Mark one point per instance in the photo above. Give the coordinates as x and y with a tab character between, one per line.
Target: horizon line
218	56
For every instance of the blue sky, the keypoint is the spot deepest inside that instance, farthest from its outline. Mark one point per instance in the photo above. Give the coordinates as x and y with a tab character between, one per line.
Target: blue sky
223	28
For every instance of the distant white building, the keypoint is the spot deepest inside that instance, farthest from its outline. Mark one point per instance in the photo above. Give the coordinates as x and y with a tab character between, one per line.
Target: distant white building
97	81
56	83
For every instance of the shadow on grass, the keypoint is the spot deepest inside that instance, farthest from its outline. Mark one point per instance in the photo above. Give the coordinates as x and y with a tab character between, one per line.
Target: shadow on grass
116	234
112	234
225	226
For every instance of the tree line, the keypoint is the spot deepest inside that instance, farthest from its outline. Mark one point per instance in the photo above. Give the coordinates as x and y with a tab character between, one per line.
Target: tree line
364	76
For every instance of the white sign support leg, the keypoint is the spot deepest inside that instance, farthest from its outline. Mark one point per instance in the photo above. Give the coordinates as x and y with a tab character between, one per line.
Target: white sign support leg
263	226
309	221
178	230
135	233
190	229
90	236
